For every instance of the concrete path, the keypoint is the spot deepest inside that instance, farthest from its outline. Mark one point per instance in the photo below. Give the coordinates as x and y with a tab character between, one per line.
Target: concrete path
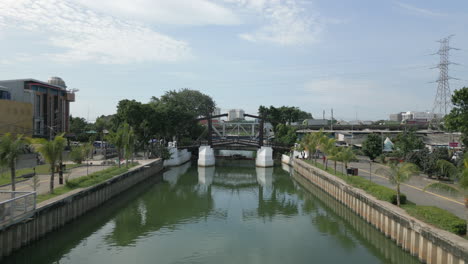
413	189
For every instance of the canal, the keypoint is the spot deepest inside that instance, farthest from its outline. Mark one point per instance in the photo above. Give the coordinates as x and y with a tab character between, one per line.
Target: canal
231	213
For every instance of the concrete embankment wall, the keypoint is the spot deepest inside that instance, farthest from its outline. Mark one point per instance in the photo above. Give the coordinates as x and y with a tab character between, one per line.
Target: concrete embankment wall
51	216
429	244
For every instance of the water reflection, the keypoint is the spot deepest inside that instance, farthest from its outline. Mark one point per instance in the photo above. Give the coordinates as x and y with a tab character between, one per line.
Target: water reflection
230	213
172	175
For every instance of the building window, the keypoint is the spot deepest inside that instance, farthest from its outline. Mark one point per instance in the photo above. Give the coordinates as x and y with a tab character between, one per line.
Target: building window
37	110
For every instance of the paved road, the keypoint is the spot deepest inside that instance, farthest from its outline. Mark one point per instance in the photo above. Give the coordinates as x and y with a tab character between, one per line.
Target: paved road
413	189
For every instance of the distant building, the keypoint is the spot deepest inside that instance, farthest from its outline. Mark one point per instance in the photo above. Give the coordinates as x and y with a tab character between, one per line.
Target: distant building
38	108
418	116
236	114
396	117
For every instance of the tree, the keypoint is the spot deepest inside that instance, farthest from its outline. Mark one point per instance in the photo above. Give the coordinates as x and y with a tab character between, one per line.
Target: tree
457	119
446	168
327	147
282	115
311	142
176	112
398	174
52	152
129	145
285	134
79	127
346	155
10	149
372	146
408	141
430	163
334	155
118	138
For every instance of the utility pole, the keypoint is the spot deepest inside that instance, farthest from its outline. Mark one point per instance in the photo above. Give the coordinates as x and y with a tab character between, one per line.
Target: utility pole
332	119
442	101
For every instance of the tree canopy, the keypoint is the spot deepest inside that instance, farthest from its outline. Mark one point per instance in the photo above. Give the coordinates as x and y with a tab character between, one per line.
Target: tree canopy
457	119
282	115
372	146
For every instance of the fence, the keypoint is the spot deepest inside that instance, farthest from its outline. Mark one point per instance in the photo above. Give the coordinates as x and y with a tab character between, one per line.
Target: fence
16	206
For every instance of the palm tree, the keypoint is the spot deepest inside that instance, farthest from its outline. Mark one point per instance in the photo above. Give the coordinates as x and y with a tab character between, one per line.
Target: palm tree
346	155
446	168
399	173
52	152
327	146
334	154
311	142
10	149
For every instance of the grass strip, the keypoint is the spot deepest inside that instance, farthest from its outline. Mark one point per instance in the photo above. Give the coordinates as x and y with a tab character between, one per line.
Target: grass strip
432	215
84	181
437	217
5	176
378	191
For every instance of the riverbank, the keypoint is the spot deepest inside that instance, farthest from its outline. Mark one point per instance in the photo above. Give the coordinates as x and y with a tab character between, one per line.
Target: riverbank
430	244
56	212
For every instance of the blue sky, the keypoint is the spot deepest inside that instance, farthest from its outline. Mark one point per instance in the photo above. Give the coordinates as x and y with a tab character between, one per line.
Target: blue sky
362	58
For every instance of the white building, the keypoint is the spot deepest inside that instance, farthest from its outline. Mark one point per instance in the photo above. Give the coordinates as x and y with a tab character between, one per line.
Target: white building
235	114
419	116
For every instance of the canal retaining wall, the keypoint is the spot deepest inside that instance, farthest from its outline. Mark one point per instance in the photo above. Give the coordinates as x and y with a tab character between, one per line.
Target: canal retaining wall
428	243
53	215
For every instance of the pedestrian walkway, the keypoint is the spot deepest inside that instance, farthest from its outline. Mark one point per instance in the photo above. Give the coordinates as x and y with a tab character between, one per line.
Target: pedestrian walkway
413	189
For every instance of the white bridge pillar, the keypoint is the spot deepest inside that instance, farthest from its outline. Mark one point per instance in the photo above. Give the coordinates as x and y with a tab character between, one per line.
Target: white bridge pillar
264	157
206	156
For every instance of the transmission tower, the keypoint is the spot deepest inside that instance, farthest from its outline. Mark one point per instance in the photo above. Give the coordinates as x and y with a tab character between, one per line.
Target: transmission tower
442	102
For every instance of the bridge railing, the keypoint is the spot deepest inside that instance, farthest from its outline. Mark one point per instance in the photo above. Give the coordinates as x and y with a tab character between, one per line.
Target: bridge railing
16	206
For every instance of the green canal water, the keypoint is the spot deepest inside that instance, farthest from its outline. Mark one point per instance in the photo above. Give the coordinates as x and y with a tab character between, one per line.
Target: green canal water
231	213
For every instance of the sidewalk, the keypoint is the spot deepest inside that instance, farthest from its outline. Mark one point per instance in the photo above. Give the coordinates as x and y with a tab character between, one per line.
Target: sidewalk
44	179
413	189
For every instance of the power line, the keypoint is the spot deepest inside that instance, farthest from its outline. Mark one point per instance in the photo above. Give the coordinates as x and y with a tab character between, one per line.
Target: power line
442	101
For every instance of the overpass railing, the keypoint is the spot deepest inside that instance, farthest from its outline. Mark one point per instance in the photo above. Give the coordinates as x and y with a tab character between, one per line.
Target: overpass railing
16	206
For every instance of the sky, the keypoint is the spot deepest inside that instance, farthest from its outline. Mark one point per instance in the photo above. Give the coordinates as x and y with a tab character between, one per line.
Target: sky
365	59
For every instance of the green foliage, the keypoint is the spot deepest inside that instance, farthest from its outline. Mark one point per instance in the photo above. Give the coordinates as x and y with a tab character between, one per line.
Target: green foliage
282	115
79	127
407	142
378	191
94	178
79	153
285	134
446	169
438	217
398	174
372	146
10	149
52	152
457	119
346	155
83	182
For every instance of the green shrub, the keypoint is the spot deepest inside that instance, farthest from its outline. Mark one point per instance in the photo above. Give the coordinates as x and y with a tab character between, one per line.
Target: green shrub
438	217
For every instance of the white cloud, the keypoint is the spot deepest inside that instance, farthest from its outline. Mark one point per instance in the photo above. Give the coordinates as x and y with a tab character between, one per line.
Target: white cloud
85	35
180	12
420	11
284	22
